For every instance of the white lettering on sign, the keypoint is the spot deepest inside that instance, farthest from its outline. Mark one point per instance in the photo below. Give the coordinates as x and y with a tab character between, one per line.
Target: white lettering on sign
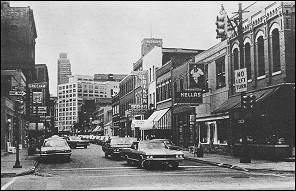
240	78
190	94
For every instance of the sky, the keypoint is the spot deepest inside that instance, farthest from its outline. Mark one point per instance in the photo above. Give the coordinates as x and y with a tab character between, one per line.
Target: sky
105	37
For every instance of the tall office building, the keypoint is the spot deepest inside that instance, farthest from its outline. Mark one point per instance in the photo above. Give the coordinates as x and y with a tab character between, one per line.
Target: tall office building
72	94
64	69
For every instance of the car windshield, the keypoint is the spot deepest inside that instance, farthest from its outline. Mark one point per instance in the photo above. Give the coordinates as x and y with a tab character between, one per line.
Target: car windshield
75	138
153	145
121	141
55	143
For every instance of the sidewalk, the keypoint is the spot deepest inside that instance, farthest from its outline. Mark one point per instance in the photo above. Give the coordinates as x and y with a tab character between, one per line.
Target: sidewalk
234	162
28	163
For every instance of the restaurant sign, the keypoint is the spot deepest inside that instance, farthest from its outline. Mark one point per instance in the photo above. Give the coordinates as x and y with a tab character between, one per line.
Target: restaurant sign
189	96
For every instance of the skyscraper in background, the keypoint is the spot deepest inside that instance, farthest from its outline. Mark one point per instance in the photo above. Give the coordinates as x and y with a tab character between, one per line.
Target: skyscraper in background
64	69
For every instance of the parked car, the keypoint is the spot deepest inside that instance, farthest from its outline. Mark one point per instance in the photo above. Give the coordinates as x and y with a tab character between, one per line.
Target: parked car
168	143
148	153
74	142
115	145
55	147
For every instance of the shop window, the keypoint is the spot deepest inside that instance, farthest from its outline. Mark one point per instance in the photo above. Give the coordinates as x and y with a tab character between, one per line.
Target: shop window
222	131
203	132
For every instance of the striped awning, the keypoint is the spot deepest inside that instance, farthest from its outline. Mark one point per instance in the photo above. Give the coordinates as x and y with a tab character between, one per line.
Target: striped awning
160	119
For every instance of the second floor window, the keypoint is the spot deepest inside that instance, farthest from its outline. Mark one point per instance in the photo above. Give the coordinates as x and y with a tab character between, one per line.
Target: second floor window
248	60
261	62
220	72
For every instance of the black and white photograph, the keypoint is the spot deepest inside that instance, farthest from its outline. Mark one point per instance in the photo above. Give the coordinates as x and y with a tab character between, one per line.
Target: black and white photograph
147	95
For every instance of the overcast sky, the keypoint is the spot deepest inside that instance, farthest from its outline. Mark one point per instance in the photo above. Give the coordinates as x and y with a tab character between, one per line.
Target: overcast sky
105	37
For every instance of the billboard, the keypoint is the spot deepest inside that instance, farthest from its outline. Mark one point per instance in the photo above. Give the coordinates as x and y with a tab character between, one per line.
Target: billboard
196	76
37	97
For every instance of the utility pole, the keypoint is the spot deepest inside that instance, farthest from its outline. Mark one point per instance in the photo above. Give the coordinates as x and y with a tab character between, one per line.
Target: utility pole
245	151
17	134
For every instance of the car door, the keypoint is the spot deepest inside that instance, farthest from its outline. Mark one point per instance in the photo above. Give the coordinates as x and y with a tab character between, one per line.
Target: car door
134	151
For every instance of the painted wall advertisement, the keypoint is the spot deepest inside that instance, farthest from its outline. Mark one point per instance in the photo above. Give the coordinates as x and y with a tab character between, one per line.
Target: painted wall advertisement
196	76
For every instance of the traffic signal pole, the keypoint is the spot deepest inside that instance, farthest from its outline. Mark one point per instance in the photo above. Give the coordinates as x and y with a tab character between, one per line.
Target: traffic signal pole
245	152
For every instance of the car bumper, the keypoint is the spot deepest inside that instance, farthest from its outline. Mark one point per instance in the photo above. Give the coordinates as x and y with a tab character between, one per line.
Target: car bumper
164	159
55	155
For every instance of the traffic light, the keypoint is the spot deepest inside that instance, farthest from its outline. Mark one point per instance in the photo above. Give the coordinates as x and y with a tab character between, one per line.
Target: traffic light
245	102
20	108
252	100
220	23
248	101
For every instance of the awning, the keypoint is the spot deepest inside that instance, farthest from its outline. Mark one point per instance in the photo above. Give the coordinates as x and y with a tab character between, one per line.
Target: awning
212	118
152	121
234	102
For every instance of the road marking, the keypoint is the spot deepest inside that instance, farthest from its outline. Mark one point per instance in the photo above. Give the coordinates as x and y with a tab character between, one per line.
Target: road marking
8	184
104	168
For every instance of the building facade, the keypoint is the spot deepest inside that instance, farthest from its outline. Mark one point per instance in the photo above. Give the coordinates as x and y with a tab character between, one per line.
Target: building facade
269	45
64	69
18	34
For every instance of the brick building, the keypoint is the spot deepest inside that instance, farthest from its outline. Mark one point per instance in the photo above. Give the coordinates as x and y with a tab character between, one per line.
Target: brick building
269	46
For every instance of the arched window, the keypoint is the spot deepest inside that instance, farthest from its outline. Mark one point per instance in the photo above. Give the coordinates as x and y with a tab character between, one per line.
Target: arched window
235	59
248	59
276	51
260	50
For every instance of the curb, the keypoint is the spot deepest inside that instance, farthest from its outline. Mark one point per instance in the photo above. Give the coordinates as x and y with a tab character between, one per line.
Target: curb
237	167
14	174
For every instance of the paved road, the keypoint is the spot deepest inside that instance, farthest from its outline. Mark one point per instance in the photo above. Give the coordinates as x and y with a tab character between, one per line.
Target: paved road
89	169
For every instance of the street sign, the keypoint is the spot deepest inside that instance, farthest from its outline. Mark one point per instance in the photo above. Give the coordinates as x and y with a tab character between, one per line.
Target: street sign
240	78
17	93
40	85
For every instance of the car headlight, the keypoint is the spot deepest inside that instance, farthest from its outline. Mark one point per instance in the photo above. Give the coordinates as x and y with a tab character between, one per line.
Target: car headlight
67	151
179	156
149	156
43	152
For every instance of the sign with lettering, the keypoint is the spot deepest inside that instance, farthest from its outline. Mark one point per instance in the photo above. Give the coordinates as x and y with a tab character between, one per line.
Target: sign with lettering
40	85
137	109
37	97
41	109
240	77
189	96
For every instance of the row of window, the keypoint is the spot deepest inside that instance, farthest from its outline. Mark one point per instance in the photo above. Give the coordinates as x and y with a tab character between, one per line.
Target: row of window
259	56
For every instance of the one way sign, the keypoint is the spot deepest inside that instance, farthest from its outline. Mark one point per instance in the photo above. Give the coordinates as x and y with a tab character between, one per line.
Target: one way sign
17	93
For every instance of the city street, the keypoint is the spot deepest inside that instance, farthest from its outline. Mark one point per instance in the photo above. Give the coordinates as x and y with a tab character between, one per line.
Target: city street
89	169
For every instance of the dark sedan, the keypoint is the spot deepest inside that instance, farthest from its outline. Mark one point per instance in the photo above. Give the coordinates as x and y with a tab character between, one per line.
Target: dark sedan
115	145
148	153
55	147
74	142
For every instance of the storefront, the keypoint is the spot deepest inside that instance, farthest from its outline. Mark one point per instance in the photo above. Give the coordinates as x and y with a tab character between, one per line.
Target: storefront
159	124
270	126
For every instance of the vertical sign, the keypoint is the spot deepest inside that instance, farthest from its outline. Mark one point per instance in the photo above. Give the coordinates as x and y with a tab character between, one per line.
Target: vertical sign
37	97
240	77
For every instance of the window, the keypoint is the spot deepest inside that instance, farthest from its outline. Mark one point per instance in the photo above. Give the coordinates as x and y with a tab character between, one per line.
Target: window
235	59
222	131
220	73
248	60
203	132
276	51
261	63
